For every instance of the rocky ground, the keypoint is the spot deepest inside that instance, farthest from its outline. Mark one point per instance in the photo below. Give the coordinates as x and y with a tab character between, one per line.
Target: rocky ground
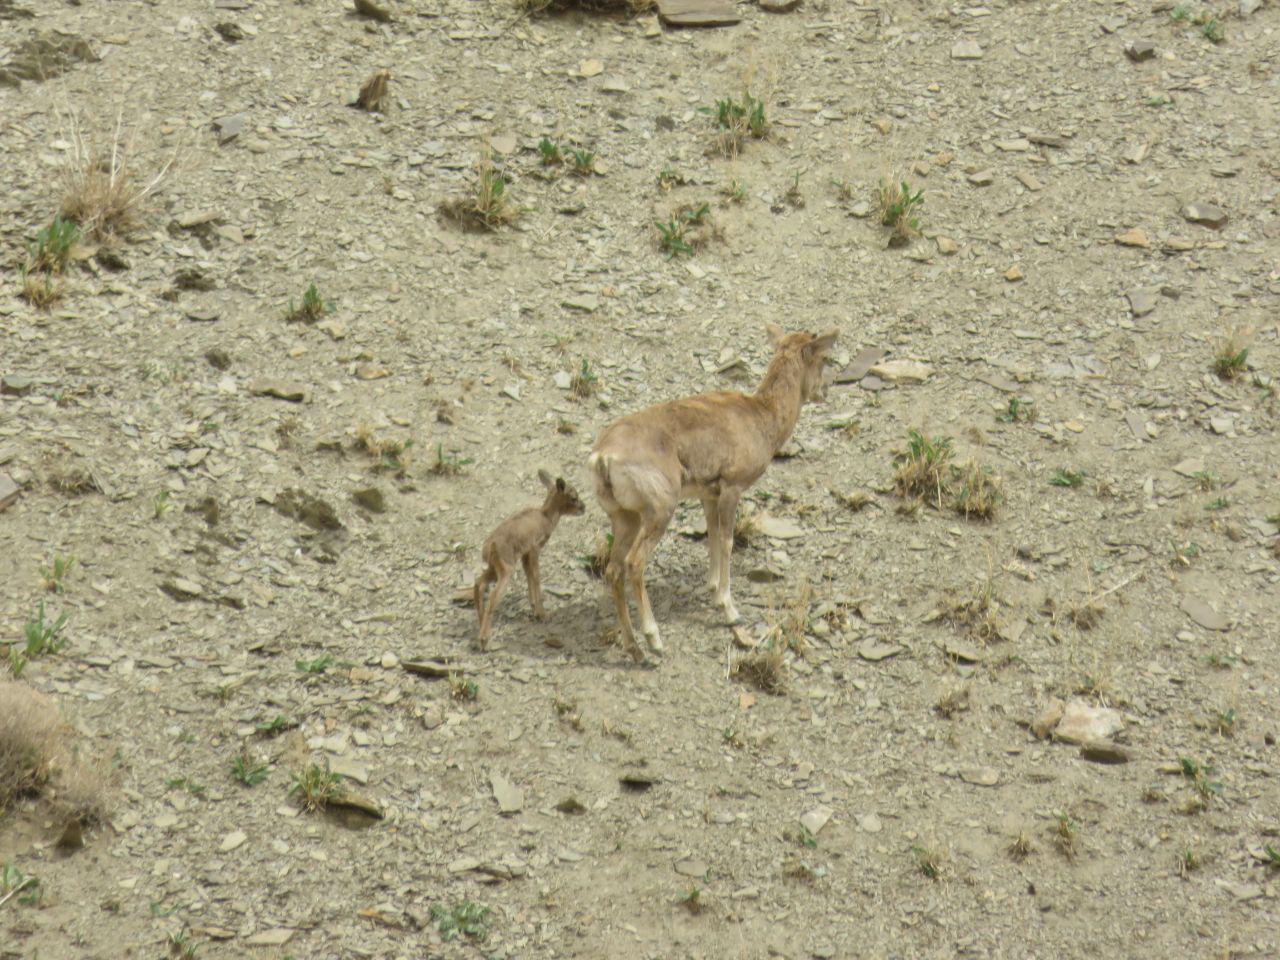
269	519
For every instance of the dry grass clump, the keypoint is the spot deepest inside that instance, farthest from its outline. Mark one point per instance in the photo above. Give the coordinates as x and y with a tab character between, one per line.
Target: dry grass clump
978	491
487	205
375	94
1231	359
37	757
922	468
101	189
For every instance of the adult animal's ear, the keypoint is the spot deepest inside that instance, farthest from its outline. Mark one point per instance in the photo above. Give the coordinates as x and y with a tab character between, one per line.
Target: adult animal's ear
821	343
560	484
775	334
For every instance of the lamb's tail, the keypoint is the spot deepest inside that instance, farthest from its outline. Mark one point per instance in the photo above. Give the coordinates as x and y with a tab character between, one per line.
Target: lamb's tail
599	464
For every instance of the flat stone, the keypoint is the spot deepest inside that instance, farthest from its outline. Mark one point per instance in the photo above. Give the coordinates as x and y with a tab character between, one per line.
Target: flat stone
777	528
588	303
1103	751
966	50
779	6
371	499
15	385
232	840
1142	301
9	490
1134	237
270	938
280	389
690	867
860	365
982	178
903	370
228	128
980	776
870	823
698	13
1140	50
1222	426
1083	723
814	820
510	797
874	650
946	246
1013	274
1205	214
1202	613
1016	145
350	769
1189	467
1028	181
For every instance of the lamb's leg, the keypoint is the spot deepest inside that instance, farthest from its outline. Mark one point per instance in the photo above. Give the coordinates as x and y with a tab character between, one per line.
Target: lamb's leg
535	585
728	508
651	531
480	590
625	527
486	626
710	508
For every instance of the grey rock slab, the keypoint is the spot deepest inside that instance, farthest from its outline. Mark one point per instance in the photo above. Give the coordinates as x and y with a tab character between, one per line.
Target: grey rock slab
1142	301
510	797
9	491
860	365
588	303
1202	613
698	13
814	820
277	937
1205	214
1083	723
875	650
691	867
980	776
966	50
1140	50
280	389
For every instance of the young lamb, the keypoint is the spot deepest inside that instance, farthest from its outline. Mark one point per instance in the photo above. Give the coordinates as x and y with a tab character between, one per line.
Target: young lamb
520	539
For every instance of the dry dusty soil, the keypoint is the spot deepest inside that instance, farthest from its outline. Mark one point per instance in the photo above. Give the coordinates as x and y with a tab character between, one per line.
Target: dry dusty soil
1094	225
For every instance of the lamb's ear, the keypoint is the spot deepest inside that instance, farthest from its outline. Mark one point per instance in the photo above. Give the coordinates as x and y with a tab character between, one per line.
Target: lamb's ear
822	342
775	334
560	484
545	479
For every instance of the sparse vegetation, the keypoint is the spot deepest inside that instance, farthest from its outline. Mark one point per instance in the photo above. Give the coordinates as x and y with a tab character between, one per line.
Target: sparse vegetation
1062	477
41	637
929	861
52	246
449	464
549	152
582	162
1017	411
247	770
1201	776
319	665
1066	835
585	381
463	688
487	205
1231	359
685	231
978	491
52	575
765	667
692	901
466	918
922	468
315	787
101	190
312	308
14	882
899	209
738	121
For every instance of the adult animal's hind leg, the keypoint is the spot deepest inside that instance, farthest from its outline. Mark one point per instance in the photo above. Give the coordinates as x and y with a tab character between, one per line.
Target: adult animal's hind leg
479	590
709	507
626	526
651	531
727	508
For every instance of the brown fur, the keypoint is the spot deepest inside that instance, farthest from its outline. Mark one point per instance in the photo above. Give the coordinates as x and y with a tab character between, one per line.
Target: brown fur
713	446
520	539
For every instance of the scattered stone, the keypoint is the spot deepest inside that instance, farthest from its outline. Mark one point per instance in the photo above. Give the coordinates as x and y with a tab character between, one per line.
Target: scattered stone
896	371
764	575
982	178
946	246
1242	892
232	840
966	50
814	820
860	365
1103	751
181	588
1190	467
270	938
1142	301
280	389
637	781
980	776
228	31
371	499
590	68
963	651
228	128
588	303
1249	7
1205	214
9	491
1137	153
1013	274
870	823
698	13
776	528
44	56
1028	181
15	385
1083	723
779	6
350	769
367	8
1202	613
1134	237
689	867
1140	50
875	650
510	797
